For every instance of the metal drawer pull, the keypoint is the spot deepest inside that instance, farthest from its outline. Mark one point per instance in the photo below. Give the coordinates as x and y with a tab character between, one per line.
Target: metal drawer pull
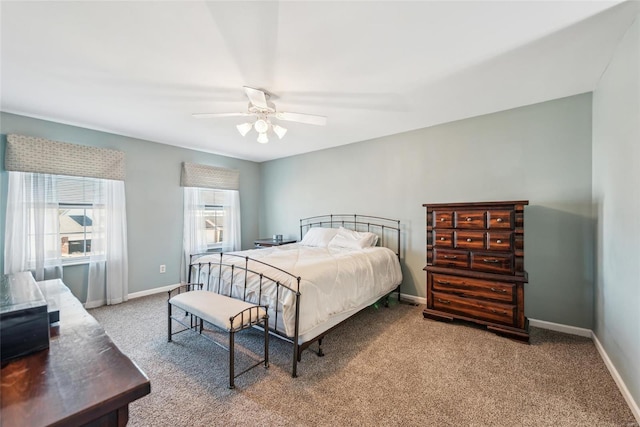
450	256
469	218
490	261
500	291
443	301
498	241
442	238
442	282
493	310
499	220
468	240
441	219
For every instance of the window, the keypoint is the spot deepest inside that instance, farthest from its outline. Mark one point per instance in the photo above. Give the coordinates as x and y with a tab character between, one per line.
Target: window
214	226
75	230
211	223
52	209
214	215
76	214
65	220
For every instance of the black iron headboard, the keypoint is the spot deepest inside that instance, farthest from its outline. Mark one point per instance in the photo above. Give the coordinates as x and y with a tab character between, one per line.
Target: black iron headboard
388	230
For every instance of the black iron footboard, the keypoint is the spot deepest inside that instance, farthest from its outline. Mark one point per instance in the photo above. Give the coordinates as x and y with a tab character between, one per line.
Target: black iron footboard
237	276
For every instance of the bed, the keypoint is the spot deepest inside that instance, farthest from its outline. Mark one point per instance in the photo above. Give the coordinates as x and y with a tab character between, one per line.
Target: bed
342	264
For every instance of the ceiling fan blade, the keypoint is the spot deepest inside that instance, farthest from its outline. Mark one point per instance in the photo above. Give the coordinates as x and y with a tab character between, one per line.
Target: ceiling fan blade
309	119
210	115
257	97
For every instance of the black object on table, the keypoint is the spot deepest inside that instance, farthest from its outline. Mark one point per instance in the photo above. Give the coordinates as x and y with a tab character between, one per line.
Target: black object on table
266	243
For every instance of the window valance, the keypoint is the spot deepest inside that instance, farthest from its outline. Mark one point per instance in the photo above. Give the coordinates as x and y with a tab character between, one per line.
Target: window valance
40	155
203	176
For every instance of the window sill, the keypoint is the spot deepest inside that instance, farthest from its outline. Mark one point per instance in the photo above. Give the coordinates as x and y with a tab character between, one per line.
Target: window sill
75	262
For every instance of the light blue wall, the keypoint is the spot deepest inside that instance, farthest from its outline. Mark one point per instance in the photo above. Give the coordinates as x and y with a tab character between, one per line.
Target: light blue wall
616	197
540	153
154	198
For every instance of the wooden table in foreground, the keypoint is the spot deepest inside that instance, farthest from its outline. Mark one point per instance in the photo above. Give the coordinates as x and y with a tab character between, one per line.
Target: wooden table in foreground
83	378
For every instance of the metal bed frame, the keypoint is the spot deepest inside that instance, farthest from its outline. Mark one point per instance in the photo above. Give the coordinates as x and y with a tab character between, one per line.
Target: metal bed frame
387	229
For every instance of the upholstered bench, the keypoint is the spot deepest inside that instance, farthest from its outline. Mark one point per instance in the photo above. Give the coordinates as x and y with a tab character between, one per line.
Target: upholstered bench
228	314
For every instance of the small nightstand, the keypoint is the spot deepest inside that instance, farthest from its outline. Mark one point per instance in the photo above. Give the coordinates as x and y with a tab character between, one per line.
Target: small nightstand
266	243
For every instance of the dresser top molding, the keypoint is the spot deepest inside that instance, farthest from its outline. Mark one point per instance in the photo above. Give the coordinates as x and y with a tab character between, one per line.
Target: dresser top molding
478	204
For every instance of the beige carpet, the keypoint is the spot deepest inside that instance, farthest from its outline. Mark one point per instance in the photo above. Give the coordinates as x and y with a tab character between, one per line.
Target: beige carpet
385	366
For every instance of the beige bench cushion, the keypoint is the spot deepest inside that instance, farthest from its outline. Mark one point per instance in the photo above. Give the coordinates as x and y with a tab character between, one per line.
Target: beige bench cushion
217	309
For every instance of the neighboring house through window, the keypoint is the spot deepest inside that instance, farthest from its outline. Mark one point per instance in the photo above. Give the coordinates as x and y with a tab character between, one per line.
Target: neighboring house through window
75	231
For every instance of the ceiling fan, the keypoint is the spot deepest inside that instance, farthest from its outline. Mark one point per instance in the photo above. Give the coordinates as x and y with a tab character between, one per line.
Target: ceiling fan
264	110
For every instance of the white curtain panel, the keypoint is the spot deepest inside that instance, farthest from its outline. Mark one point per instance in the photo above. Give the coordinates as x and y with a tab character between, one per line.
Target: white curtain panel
233	238
194	238
108	264
31	228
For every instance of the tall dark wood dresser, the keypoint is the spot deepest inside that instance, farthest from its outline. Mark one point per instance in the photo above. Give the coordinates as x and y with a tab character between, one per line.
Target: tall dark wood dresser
475	265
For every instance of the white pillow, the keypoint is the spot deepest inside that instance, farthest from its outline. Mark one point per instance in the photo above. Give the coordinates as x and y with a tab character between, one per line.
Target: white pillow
318	237
351	239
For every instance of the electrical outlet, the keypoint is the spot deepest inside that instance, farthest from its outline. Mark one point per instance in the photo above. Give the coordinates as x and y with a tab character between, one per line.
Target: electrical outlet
163	268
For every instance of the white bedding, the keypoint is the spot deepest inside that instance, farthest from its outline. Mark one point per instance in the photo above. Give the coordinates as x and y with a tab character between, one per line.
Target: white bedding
335	281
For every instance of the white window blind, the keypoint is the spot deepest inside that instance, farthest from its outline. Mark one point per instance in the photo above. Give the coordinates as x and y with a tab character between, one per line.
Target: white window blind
76	190
213	198
64	189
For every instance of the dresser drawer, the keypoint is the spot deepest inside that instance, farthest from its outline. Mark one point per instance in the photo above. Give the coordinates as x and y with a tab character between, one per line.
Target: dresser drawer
470	240
475	288
471	307
500	219
492	262
500	241
447	258
443	239
470	219
442	219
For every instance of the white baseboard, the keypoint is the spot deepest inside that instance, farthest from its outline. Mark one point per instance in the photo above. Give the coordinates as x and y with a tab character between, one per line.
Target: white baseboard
558	327
588	333
617	378
413	299
152	291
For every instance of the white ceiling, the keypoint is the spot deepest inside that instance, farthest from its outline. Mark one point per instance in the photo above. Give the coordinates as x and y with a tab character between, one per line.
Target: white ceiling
373	68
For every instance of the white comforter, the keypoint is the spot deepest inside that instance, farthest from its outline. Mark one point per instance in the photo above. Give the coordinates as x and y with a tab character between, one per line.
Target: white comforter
334	280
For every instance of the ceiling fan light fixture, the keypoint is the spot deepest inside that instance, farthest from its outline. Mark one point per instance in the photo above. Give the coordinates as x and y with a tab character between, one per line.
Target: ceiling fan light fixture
263	110
244	128
261	126
280	131
262	138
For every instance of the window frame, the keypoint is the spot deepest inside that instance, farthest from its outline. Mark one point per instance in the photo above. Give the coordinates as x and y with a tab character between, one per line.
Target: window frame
215	247
75	260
